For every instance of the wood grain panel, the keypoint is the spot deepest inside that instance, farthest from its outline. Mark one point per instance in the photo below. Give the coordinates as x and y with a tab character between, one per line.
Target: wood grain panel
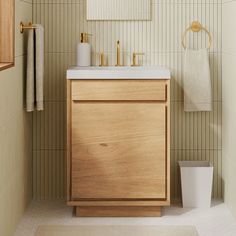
122	147
118	211
115	90
68	141
7	22
124	203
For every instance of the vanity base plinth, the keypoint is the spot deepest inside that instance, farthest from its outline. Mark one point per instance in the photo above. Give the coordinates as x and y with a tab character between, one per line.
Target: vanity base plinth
118	211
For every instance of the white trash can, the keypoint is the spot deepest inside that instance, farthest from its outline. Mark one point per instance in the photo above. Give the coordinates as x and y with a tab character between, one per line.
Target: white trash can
196	183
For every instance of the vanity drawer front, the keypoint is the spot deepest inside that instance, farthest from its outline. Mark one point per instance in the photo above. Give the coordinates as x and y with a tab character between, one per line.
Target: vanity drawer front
118	151
119	90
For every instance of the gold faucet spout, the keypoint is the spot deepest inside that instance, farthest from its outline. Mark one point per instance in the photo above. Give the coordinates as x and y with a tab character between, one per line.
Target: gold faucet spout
118	53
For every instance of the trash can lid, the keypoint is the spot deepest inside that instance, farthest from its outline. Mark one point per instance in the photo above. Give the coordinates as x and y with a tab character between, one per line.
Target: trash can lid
195	164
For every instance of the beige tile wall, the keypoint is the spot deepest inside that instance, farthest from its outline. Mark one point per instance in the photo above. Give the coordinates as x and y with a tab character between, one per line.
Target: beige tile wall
229	97
15	133
194	136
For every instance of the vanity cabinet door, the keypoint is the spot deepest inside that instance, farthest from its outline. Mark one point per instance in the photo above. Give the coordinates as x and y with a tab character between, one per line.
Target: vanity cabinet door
118	150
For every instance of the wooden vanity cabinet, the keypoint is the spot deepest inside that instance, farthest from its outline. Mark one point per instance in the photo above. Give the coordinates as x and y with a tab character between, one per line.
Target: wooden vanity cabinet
118	147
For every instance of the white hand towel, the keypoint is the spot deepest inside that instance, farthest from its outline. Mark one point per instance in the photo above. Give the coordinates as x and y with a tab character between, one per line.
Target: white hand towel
30	73
197	81
35	70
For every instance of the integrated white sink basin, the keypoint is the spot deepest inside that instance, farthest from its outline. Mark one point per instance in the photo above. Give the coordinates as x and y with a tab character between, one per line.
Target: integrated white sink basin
147	72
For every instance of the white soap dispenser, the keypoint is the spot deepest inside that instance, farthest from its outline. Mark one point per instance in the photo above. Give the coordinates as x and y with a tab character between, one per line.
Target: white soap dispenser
84	51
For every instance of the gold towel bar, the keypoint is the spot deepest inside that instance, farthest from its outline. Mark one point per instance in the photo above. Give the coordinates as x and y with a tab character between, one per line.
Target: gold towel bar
24	27
196	27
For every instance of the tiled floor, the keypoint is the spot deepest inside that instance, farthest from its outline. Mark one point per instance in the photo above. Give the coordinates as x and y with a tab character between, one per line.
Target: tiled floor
216	221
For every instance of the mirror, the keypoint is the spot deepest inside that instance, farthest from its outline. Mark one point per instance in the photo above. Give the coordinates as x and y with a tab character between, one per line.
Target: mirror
118	9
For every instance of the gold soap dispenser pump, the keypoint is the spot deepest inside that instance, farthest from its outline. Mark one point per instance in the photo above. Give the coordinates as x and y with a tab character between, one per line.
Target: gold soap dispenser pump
84	51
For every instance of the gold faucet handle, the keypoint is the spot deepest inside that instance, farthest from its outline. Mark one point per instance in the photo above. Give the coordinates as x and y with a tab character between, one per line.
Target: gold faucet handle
135	54
102	59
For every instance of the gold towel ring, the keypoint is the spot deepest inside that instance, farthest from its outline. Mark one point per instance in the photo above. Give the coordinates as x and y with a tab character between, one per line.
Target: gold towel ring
196	27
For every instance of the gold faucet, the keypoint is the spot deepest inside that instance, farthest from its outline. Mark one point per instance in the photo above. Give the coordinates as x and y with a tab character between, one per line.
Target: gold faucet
102	59
118	53
135	54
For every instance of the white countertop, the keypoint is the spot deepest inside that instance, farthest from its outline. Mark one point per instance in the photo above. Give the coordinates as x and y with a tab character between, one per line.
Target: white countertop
139	72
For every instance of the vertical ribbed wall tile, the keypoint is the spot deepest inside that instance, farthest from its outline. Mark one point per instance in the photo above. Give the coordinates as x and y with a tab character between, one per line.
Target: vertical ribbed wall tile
49	127
49	174
194	136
